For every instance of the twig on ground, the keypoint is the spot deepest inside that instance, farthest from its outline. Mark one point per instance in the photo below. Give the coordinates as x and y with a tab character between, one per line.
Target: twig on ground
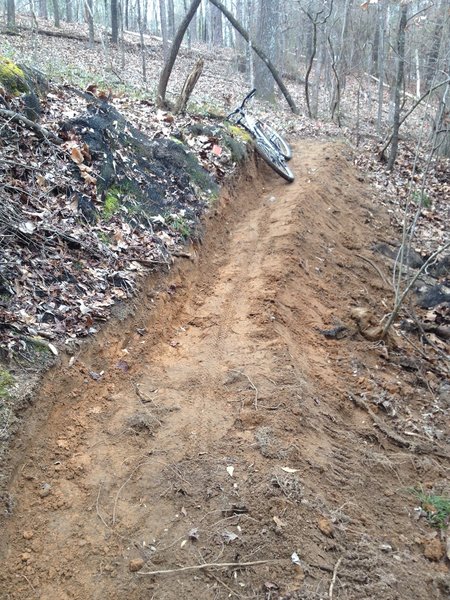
238	565
372	264
397	439
98	507
41	132
255	401
232	592
116	500
333	579
29	583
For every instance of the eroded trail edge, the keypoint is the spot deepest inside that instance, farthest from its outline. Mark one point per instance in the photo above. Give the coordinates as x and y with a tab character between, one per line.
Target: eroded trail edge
219	428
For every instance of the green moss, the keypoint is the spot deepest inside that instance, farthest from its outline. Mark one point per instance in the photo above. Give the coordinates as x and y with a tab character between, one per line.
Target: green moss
112	202
104	238
6	381
180	224
12	78
205	110
238	132
236	146
213	196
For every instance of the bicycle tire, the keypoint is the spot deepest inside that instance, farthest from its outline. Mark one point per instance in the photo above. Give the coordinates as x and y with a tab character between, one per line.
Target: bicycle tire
277	140
273	158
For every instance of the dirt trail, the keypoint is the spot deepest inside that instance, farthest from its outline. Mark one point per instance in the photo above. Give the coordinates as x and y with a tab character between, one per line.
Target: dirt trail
177	454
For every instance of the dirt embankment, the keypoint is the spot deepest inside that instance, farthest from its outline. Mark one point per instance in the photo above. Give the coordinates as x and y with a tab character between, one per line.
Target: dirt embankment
216	425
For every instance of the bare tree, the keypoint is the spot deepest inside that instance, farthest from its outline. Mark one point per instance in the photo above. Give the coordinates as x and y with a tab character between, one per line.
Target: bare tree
259	52
10	14
267	38
115	22
315	19
56	15
89	15
167	69
399	80
164	28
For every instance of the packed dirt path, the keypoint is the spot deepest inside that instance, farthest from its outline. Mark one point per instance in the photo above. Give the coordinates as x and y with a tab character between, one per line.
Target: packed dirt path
215	424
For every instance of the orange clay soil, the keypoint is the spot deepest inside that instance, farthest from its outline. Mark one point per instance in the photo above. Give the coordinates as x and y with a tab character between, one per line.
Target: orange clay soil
222	429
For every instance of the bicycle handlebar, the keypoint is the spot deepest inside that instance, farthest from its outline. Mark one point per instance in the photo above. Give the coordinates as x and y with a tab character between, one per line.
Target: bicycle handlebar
248	96
244	101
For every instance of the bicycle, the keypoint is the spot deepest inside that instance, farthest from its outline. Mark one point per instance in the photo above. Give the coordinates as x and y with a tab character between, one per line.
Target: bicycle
268	143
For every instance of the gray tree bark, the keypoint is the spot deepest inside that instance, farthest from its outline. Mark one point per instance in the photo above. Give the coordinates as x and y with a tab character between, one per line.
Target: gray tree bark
267	39
69	11
11	14
216	27
89	9
259	52
398	84
167	69
114	22
56	15
164	28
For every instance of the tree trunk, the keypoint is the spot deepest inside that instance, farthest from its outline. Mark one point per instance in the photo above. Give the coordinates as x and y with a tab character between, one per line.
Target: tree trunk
43	10
167	69
164	29
443	124
89	9
127	14
141	35
381	65
69	11
398	84
170	19
10	14
310	66
56	15
114	22
216	27
268	26
189	86
259	52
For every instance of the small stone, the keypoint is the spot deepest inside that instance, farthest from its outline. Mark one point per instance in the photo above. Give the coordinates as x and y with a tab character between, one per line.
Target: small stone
136	564
326	527
27	535
45	490
25	556
434	549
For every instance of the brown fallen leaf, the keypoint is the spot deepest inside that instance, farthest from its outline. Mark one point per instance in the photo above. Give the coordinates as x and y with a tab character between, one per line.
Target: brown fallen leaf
76	155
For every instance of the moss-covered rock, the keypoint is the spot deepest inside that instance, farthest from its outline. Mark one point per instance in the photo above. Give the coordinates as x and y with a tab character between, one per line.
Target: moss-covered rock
139	176
12	77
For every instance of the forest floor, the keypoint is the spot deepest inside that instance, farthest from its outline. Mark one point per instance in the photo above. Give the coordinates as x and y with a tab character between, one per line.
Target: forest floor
228	429
240	414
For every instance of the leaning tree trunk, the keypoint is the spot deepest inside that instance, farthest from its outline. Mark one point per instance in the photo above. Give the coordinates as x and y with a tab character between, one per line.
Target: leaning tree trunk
398	85
167	69
259	52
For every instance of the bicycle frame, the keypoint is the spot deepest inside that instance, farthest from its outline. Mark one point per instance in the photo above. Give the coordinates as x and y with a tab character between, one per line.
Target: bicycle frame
268	143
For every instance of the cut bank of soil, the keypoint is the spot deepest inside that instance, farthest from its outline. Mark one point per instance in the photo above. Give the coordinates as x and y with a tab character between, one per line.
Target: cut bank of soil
216	427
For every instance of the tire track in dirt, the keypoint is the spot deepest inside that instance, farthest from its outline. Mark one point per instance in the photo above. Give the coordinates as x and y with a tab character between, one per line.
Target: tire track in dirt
231	373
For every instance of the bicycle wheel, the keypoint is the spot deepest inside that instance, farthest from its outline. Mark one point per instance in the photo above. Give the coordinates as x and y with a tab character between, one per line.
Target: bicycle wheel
276	140
273	158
